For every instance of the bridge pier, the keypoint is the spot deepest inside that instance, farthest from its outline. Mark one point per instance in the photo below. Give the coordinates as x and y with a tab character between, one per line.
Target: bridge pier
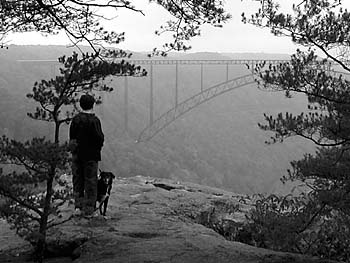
151	95
176	84
227	72
126	104
201	76
252	65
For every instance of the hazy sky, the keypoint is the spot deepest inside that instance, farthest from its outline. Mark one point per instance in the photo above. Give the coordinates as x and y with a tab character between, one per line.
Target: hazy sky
233	37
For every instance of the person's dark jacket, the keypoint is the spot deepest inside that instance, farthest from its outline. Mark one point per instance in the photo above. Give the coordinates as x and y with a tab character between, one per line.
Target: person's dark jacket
85	130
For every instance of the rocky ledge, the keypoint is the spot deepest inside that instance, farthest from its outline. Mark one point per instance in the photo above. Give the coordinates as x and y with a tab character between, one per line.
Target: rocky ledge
158	220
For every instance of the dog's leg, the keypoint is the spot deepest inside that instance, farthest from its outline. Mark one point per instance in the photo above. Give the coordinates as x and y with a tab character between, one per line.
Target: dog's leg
100	208
100	204
105	203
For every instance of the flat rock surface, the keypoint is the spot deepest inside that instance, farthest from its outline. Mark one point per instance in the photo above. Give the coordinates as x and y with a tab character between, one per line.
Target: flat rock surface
154	220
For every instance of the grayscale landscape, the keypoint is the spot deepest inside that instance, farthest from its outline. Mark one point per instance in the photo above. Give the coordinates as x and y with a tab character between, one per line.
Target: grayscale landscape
181	131
216	144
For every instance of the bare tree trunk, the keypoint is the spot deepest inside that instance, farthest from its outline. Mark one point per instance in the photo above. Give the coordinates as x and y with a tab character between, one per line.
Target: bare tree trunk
41	243
57	132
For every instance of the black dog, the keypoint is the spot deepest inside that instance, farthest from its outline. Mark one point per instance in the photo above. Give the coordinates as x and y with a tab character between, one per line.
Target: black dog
104	186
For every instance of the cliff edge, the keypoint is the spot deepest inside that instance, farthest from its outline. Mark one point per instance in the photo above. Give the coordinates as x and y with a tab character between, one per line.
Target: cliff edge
158	220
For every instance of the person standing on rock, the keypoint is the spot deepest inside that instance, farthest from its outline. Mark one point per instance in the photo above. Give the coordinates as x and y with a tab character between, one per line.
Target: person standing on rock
86	141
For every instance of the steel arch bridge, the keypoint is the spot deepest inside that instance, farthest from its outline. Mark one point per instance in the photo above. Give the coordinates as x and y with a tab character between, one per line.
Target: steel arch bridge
204	95
182	108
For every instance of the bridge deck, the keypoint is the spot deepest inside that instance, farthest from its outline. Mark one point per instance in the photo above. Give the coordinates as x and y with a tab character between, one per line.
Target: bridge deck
179	61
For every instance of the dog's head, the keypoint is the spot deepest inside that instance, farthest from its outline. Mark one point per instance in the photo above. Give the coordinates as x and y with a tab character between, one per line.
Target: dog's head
107	177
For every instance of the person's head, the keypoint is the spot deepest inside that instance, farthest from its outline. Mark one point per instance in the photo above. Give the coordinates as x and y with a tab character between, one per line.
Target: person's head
87	102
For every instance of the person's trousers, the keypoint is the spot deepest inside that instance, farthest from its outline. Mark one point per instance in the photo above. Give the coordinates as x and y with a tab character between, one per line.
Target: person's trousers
84	184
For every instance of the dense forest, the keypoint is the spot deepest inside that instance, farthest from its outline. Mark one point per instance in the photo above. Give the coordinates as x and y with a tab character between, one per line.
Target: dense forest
217	144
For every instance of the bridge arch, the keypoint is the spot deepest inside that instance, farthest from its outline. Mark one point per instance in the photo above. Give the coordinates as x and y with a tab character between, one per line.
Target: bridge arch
185	106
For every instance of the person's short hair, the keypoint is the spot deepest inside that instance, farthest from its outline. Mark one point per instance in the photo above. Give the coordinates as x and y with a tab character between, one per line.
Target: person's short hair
87	102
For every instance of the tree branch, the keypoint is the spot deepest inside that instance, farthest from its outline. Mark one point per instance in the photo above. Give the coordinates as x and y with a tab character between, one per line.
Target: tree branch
59	22
321	144
108	4
21	202
311	219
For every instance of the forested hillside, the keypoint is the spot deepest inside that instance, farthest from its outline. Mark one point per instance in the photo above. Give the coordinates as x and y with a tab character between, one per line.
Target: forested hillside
217	144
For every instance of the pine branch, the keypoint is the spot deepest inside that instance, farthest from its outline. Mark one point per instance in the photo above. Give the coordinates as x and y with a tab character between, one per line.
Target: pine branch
58	21
5	192
321	144
108	4
311	219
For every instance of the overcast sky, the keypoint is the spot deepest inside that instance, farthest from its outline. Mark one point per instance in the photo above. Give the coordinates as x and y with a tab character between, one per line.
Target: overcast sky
233	37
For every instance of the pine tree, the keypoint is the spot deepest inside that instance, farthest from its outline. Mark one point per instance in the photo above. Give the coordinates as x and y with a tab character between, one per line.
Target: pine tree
322	27
33	189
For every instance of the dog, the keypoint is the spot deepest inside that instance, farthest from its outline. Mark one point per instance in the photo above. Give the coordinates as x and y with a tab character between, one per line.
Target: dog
104	187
